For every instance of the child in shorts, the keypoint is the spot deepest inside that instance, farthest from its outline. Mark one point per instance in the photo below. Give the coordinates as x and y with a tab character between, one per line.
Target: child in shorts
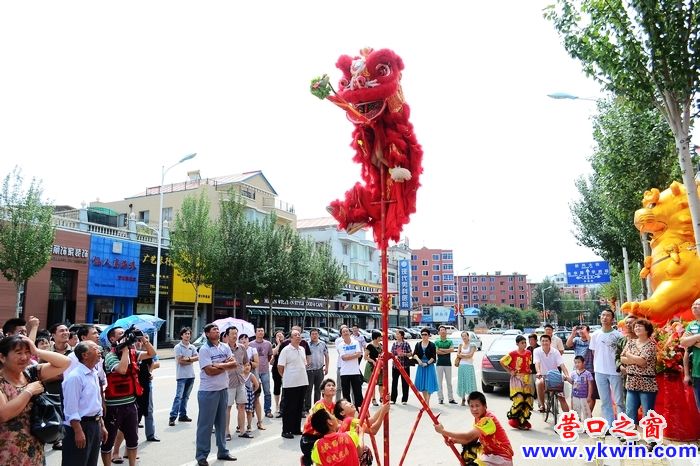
581	389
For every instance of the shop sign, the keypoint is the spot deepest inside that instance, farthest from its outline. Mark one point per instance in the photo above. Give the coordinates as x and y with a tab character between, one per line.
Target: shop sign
404	284
60	252
148	263
113	269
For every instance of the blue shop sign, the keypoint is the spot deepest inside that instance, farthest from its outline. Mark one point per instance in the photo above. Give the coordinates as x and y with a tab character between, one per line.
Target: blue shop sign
585	273
113	268
404	284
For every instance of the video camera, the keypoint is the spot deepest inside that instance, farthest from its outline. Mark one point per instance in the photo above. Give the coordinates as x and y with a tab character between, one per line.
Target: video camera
130	336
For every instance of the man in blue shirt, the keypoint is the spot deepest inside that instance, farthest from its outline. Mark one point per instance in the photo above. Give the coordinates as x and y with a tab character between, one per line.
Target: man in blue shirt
82	409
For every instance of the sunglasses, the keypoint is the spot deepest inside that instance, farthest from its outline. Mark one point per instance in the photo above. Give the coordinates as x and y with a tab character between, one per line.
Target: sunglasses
425	334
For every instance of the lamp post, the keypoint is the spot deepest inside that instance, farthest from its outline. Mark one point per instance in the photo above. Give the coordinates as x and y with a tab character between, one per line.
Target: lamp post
160	228
544	310
456	306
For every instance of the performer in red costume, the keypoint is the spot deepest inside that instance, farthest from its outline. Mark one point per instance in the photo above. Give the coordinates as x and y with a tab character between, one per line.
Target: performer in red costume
370	93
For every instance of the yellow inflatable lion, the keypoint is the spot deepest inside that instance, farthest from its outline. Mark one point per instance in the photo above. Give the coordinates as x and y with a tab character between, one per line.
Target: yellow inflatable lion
674	266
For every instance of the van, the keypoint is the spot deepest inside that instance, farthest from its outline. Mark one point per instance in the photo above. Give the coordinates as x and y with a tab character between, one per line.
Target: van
449	328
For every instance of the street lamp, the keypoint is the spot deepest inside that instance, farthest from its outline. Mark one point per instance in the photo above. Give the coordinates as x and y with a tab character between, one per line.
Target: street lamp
566	96
544	310
456	306
160	227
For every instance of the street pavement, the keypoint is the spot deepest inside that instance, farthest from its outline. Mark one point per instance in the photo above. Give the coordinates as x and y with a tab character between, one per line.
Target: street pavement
268	447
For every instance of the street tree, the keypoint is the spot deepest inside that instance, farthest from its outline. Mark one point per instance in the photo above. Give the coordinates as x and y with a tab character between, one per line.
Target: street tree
275	280
192	244
26	231
645	51
634	152
329	277
237	262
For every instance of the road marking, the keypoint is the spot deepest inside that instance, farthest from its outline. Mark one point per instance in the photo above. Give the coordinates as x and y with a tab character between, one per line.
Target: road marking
212	457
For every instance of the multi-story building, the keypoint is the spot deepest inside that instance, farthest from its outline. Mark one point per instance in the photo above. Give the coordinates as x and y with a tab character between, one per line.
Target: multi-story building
432	279
359	259
396	253
500	290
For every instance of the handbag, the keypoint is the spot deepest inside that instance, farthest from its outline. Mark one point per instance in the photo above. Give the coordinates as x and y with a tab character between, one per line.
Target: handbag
456	363
46	416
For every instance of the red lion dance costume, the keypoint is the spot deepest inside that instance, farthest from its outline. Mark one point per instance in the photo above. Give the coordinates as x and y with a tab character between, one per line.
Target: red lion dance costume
384	142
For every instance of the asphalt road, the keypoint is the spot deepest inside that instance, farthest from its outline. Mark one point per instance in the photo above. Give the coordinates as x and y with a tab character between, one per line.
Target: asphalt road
268	447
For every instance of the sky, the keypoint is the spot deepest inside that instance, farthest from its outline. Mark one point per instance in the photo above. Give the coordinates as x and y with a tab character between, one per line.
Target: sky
95	97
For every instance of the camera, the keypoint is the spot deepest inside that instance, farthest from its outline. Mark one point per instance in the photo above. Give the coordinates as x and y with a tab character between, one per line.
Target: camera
130	336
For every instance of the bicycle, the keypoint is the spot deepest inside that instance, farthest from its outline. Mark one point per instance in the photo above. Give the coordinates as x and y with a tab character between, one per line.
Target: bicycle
554	387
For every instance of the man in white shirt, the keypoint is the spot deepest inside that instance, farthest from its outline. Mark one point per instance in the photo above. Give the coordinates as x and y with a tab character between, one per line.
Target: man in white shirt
557	344
339	393
349	355
82	408
292	367
548	359
604	346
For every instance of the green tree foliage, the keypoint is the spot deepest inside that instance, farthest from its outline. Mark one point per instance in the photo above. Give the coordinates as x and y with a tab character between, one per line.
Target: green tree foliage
26	231
237	262
330	277
193	246
645	51
634	152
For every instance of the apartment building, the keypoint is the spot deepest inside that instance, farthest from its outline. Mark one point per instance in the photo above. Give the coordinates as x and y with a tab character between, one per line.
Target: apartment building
432	278
497	289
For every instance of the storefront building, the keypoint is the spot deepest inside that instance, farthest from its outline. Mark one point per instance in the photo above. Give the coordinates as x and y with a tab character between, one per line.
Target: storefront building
57	292
113	279
181	313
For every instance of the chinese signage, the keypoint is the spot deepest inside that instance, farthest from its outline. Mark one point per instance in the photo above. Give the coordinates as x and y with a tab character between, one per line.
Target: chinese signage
63	253
404	284
358	307
585	273
148	263
653	425
113	267
360	286
438	314
184	292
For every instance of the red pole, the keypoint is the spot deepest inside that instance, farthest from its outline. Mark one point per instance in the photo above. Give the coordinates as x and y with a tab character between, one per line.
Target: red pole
385	312
410	437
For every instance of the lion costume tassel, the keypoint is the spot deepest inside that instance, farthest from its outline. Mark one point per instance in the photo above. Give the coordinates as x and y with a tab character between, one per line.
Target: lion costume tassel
370	94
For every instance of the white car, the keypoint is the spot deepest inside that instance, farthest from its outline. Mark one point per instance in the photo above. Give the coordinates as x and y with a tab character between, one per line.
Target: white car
456	338
495	330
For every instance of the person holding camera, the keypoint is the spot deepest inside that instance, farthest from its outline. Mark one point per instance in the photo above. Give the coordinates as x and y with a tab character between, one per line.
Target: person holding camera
121	367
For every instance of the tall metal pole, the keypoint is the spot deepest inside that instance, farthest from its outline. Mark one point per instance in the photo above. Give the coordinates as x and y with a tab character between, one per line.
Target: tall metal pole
156	305
628	281
385	313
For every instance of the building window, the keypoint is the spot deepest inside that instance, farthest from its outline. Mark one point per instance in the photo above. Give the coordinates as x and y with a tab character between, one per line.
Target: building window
436	278
483	297
493	297
414	278
167	214
447	256
426	294
144	216
492	288
346	249
448	287
391	278
414	257
436	287
465	289
424	273
413	288
475	297
446	266
465	279
414	268
521	296
436	267
437	299
425	262
475	288
448	277
449	298
510	279
511	297
483	287
414	299
510	288
475	279
436	257
492	279
425	283
483	279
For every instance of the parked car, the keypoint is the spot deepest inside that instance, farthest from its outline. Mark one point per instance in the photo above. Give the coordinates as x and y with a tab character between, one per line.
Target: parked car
366	334
539	331
333	334
410	332
496	330
593	328
416	331
199	341
456	338
492	372
513	331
